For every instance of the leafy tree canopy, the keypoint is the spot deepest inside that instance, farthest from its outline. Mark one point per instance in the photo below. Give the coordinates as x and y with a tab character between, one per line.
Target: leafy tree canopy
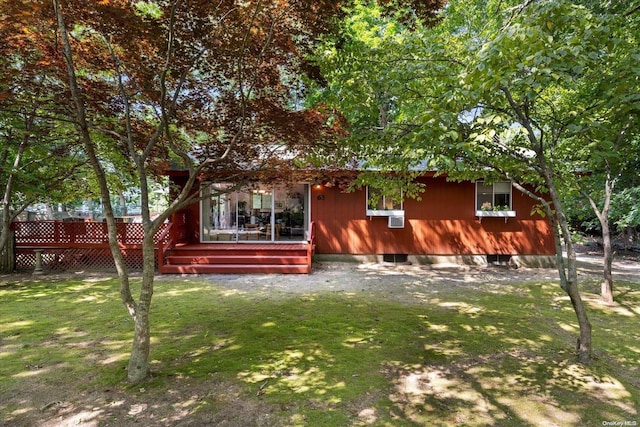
530	91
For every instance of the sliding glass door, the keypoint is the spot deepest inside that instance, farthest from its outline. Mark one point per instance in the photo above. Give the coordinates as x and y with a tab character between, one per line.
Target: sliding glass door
291	212
260	213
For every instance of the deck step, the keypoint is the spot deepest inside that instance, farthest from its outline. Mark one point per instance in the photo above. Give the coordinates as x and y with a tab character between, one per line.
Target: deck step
239	250
235	269
236	259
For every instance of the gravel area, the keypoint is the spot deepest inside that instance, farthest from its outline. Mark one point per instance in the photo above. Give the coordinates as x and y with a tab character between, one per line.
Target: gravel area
407	280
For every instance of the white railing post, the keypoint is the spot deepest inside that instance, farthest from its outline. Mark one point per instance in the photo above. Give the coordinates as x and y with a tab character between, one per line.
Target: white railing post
38	269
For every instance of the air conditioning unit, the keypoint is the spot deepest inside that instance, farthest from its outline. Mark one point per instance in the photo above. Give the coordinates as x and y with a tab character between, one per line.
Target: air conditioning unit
396	221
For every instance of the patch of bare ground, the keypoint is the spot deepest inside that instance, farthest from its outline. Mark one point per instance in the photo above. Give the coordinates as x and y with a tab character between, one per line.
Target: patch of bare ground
475	390
180	403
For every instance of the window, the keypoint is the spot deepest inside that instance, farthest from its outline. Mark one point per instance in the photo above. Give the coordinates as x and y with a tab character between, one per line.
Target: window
494	197
259	212
383	204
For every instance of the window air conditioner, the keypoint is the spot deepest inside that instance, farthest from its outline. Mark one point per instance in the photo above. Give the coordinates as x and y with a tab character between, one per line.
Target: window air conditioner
396	221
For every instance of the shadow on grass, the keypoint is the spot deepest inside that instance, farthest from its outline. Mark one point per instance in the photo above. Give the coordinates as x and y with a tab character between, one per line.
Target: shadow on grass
495	356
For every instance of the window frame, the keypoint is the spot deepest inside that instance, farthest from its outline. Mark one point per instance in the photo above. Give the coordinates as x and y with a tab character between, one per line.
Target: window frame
505	213
384	212
273	200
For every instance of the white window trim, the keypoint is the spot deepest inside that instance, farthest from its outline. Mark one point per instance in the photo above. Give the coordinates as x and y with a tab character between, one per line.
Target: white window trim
383	212
506	214
499	214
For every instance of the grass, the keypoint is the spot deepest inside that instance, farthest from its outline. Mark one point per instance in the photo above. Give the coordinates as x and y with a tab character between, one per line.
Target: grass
499	356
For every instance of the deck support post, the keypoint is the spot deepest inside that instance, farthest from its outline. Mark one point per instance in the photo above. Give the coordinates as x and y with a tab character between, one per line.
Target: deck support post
38	269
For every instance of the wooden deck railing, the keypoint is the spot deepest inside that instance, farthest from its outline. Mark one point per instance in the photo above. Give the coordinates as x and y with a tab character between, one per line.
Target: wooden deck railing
81	245
165	241
78	234
311	245
85	244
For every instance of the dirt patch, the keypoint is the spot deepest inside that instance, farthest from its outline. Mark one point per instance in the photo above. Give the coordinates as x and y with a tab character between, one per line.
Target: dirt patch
405	281
180	403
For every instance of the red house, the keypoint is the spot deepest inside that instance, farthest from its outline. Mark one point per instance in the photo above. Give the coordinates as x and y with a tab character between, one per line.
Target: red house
277	228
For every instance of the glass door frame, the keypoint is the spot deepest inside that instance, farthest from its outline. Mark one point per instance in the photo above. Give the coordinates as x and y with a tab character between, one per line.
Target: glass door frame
274	233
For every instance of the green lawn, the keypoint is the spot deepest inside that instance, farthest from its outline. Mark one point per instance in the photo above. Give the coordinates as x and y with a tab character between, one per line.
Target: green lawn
498	356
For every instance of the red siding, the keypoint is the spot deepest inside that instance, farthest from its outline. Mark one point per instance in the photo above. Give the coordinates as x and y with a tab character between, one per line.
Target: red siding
191	214
442	223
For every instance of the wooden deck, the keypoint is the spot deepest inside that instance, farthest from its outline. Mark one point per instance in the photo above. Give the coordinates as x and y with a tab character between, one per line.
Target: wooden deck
80	245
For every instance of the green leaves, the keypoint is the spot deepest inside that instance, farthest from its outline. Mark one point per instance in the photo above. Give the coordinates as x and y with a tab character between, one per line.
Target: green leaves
509	87
148	9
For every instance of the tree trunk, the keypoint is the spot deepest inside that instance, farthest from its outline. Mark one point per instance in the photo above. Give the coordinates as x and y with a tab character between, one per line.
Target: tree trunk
7	253
571	287
584	342
5	234
561	232
138	369
139	360
139	314
123	203
629	237
606	291
567	269
49	209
